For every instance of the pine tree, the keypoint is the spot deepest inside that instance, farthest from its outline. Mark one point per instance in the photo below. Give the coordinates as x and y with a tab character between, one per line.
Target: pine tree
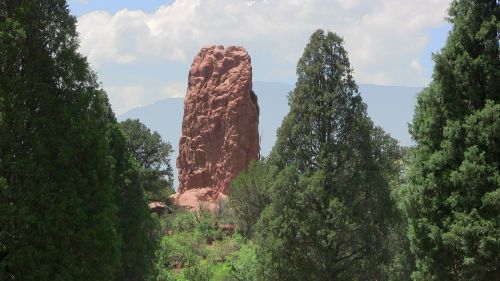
453	191
329	203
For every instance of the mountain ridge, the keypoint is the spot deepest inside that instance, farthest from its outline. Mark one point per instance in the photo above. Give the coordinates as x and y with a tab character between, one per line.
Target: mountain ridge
390	107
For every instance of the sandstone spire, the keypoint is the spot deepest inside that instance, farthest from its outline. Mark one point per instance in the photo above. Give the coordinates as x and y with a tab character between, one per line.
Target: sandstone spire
220	127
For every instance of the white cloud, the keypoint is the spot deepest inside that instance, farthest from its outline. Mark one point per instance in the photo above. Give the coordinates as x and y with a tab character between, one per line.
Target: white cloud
382	36
121	38
349	4
415	64
124	98
176	89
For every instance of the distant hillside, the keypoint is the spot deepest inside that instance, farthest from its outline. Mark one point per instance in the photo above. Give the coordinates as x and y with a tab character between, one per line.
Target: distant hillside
390	107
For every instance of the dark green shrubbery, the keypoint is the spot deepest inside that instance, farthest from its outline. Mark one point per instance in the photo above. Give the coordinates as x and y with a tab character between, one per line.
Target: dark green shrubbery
72	205
250	195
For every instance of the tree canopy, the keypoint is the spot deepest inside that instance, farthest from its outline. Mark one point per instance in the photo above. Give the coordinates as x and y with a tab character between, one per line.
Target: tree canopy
329	203
453	189
249	195
337	199
153	156
70	207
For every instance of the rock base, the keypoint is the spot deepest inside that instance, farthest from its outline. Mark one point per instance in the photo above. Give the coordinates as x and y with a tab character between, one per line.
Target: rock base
200	198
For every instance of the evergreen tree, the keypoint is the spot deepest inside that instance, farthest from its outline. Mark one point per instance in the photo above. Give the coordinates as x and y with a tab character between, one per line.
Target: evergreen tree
139	231
330	203
403	261
3	215
62	221
453	190
153	156
249	195
70	201
3	222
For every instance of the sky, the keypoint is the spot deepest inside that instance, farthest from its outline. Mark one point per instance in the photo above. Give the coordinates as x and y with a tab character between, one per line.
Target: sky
142	50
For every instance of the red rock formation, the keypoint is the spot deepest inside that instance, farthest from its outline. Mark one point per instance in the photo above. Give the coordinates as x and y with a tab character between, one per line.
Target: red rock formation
220	127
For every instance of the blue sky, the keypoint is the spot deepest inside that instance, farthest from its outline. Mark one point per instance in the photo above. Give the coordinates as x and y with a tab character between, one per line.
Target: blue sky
80	7
437	40
142	50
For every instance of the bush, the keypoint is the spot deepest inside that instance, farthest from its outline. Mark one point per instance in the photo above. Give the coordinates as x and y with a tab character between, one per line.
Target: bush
249	195
243	264
182	221
199	272
197	248
207	228
223	249
180	250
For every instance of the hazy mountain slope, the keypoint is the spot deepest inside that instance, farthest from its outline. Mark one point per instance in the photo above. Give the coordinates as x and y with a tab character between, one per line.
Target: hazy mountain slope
163	116
390	107
273	104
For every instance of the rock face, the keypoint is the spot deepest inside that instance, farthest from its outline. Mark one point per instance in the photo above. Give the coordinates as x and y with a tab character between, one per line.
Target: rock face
220	127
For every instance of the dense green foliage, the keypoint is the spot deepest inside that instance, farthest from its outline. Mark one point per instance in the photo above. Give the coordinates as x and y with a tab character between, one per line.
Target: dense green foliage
3	222
330	201
196	249
62	220
249	195
153	155
403	261
453	189
337	199
71	205
139	231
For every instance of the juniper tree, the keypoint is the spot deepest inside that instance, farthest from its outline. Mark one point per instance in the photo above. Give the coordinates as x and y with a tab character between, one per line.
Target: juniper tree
62	222
139	232
249	195
329	203
453	191
70	206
